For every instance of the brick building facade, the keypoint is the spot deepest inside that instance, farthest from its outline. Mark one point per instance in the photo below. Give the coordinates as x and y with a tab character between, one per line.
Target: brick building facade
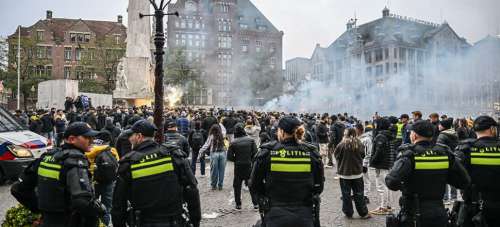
225	37
62	44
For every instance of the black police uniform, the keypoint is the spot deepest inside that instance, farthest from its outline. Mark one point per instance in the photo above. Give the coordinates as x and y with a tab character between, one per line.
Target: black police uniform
287	176
481	158
64	193
157	181
421	172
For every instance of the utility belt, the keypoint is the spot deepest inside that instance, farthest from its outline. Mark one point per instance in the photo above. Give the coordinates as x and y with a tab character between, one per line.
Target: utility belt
137	218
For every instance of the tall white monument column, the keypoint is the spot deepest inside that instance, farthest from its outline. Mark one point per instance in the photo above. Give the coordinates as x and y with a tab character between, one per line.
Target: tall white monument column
135	77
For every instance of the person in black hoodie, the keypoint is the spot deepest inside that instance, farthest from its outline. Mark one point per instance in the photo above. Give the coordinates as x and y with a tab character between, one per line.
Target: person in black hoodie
229	122
322	138
112	129
47	120
123	145
448	136
382	160
242	152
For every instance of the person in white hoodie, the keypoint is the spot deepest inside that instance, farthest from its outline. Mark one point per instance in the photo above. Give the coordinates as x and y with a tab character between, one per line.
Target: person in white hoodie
252	128
367	141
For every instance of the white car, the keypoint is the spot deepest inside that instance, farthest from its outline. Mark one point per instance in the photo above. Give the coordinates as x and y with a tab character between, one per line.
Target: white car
18	146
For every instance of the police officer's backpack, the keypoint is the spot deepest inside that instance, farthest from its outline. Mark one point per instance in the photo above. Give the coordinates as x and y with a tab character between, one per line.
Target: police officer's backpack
106	167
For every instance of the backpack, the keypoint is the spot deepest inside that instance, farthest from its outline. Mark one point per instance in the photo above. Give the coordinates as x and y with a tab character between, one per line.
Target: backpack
197	139
106	167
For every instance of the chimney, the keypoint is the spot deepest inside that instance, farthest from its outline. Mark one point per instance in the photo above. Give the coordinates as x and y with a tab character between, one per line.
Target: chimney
49	14
120	19
385	12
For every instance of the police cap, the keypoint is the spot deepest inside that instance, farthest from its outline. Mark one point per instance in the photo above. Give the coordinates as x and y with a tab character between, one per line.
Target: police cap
484	122
423	128
289	123
144	127
80	129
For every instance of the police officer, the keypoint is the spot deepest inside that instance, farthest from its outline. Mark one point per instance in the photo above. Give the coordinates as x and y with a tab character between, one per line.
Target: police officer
421	172
287	176
175	138
481	158
57	184
157	182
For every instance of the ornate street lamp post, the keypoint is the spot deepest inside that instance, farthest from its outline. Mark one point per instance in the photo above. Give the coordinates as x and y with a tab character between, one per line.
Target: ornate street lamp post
159	41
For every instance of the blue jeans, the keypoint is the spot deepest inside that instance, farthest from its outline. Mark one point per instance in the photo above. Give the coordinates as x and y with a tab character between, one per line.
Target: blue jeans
217	168
105	191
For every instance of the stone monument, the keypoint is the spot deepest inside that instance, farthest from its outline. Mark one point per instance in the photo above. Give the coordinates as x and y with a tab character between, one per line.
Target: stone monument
135	73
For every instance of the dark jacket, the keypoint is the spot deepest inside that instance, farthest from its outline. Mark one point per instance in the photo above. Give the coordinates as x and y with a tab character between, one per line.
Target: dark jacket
382	155
123	145
322	133
229	123
179	140
449	138
242	150
47	123
113	131
349	155
336	134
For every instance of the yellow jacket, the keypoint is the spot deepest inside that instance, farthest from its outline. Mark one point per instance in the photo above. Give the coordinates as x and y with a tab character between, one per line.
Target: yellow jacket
94	151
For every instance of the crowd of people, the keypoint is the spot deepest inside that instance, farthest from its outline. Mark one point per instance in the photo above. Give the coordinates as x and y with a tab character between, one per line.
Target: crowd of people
280	156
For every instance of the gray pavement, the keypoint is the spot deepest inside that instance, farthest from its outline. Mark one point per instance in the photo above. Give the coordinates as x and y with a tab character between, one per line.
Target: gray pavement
221	204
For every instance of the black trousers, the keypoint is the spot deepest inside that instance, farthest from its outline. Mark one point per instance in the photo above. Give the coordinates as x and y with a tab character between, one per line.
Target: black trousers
353	189
242	174
289	217
432	214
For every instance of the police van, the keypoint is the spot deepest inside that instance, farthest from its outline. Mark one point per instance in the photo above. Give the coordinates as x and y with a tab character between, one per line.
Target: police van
18	146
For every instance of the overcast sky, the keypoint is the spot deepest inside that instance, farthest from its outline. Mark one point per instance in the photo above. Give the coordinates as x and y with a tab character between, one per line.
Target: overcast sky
304	22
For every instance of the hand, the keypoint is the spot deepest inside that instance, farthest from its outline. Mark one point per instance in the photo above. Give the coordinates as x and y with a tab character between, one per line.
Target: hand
99	207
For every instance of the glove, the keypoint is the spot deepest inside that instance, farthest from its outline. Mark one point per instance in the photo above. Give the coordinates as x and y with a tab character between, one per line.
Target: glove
99	208
365	169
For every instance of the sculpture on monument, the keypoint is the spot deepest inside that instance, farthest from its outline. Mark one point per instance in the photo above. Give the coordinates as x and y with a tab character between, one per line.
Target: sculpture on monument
135	77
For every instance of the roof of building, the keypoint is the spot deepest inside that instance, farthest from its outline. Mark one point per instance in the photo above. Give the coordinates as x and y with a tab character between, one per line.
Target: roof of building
249	14
391	28
59	25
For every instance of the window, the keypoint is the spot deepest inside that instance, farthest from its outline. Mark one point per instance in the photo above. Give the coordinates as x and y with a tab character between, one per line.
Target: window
117	39
197	25
183	23
258	46
78	54
72	37
67	72
396	53
224	7
91	54
40	52
190	24
402	54
79	73
224	25
80	38
395	67
272	48
368	57
273	63
224	59
224	41
386	53
378	55
39	35
48	70
86	38
262	27
49	52
67	54
379	70
243	26
176	23
244	48
387	68
39	70
368	71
